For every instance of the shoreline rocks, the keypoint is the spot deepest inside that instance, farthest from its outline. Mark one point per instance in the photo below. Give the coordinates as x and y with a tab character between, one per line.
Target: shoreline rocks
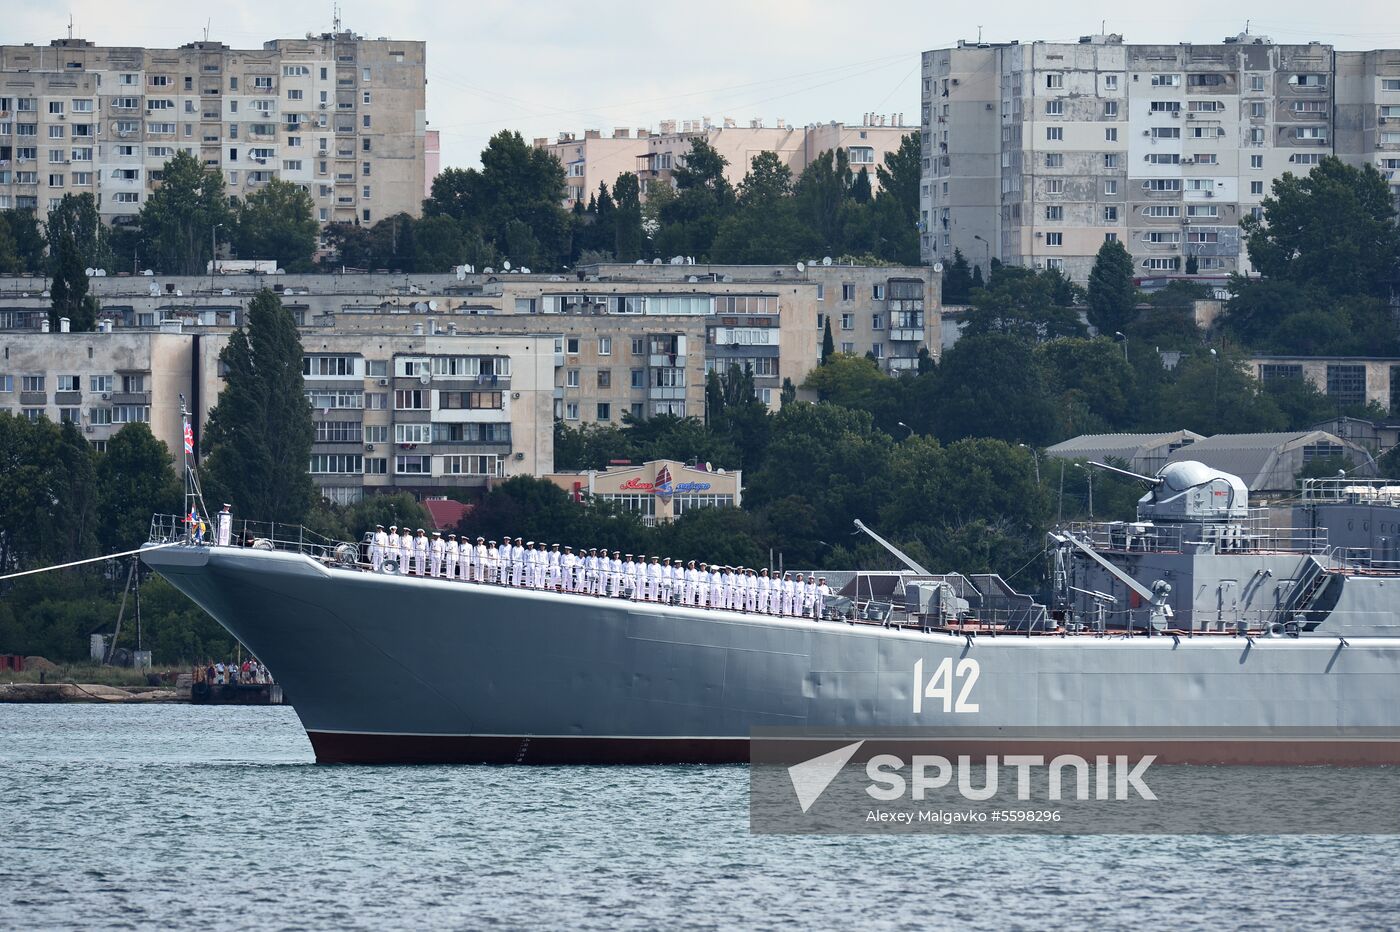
84	692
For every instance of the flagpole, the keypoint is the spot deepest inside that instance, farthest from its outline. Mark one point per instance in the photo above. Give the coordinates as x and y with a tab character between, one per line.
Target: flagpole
186	443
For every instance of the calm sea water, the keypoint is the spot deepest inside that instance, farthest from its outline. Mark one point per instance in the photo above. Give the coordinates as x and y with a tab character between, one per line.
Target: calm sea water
143	817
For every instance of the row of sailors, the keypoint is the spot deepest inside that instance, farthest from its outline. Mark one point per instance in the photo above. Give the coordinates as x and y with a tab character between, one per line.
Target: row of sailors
531	566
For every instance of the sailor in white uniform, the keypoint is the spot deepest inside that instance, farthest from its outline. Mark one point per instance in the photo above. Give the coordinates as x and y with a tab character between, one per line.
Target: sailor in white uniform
786	590
615	574
379	543
554	569
396	549
478	560
629	577
452	556
223	530
688	584
762	587
517	564
823	594
492	566
437	550
809	596
716	587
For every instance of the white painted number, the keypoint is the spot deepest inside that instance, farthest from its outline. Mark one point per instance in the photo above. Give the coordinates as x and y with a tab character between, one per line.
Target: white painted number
940	685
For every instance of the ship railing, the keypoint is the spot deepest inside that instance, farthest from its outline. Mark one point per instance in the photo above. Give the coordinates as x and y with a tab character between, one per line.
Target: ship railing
261	535
1252	535
1349	490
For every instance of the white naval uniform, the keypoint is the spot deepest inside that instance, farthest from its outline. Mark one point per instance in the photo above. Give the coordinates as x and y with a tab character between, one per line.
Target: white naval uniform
404	554
716	589
436	551
478	566
420	555
786	588
556	568
823	593
380	550
517	565
614	565
453	555
629	578
762	601
567	565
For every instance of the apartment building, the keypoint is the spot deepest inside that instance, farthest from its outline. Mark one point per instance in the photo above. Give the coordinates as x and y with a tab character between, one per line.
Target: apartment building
652	156
1037	153
341	115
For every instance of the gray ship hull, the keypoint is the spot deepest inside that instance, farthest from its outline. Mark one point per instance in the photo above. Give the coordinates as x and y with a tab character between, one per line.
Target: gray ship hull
385	669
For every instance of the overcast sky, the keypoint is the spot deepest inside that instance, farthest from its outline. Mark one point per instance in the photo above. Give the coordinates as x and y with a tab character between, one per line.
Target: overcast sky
545	66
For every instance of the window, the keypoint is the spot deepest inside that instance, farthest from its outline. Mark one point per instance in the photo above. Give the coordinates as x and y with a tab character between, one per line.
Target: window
605	378
848	321
1165	106
1055	186
604	411
1166	80
411	399
1111	134
1161	237
1110	237
821	292
413	465
329	366
99	384
329	400
1166	132
1054	213
1054	133
605	346
861	155
1202	210
1309	80
1256	83
1205	80
471	401
32	414
571	378
336	464
413	433
365	98
639	378
848	292
1110	160
31	383
877	292
1054	108
1110	186
69	383
1390	84
1054	239
1162	184
1110	215
571	346
472	465
1161	210
1313	158
1346	384
1256	187
1110	108
877	322
1202	236
376	433
1054	81
1054	160
1199	185
1256	161
1163	158
848	347
571	411
131	414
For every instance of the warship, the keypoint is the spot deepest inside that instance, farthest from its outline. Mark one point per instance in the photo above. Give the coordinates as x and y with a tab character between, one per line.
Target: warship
1205	631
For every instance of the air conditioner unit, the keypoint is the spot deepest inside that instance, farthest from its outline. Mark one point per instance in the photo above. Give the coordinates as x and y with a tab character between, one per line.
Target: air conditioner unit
1176	114
520	455
383	382
515	396
106	396
1147	132
87	428
369	447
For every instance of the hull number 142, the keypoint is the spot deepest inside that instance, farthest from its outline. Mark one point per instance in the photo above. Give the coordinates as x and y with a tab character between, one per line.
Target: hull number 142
952	686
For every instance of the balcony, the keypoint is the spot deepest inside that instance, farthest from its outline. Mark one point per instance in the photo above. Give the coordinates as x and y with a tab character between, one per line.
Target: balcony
131	398
907	335
68	398
666	360
31	399
666	393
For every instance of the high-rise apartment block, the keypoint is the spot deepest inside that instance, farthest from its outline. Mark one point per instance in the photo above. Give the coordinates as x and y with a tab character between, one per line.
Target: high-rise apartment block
652	156
1037	153
338	114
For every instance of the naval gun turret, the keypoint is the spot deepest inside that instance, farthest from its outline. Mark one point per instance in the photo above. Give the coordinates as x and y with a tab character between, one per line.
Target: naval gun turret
1190	492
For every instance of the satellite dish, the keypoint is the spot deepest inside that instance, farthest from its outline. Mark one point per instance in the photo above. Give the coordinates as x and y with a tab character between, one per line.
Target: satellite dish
425	378
678	260
826	260
938	266
227	292
691	279
100	273
179	292
420	307
89	272
432	305
524	271
461	273
490	271
801	266
640	262
655	261
505	264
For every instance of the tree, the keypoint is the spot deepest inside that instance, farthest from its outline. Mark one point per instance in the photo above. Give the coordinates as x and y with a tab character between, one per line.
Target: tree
258	437
1029	304
856	382
690	221
69	291
182	217
135	480
1217	394
1093	388
788	393
438	244
9	254
821	193
1333	229
24	230
957	280
985	386
278	221
897	203
828	344
75	225
630	238
1112	294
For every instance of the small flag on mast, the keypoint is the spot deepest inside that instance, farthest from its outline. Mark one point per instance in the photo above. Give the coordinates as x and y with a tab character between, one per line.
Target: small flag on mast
189	439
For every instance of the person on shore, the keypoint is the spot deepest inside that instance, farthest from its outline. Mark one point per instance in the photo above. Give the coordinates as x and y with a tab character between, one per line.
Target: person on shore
219	673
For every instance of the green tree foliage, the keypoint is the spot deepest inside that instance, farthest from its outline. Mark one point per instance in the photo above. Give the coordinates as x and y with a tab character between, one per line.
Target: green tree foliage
986	386
74	225
1027	304
1112	295
828	343
1333	229
440	245
47	493
278	221
69	290
957	280
20	229
690	221
630	237
897	203
135	480
1092	387
258	437
857	382
764	228
1328	249
180	217
511	204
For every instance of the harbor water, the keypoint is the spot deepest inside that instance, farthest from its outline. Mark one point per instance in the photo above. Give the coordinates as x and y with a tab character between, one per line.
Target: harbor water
216	817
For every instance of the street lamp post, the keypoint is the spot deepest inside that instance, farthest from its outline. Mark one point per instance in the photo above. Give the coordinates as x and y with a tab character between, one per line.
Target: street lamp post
906	427
1120	337
987	246
1035	457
